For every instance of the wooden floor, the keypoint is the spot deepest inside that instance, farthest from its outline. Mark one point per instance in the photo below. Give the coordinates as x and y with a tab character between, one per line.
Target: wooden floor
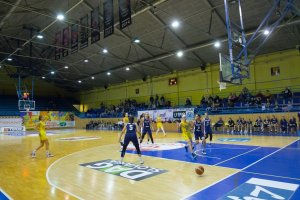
61	177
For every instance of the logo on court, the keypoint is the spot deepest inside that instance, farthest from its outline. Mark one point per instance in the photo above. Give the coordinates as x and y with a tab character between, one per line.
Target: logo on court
127	170
234	139
78	138
256	188
157	146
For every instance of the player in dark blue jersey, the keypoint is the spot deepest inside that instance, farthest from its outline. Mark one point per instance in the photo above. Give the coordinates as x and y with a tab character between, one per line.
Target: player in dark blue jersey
199	135
292	125
130	136
274	124
147	129
207	127
283	124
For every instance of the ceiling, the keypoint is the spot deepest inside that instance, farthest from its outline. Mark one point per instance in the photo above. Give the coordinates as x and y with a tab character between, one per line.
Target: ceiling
202	22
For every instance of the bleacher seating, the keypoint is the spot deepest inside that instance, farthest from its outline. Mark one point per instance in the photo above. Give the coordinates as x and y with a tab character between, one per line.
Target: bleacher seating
9	105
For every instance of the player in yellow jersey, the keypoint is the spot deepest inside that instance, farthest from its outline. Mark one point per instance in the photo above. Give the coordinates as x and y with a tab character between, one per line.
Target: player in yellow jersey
125	119
41	128
159	125
186	134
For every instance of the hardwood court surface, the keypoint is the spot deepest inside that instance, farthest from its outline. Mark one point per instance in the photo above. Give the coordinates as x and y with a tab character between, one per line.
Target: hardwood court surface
23	177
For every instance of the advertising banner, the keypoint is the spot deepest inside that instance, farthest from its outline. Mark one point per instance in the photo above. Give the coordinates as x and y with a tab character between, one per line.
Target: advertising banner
108	17
74	38
95	25
54	119
124	13
170	114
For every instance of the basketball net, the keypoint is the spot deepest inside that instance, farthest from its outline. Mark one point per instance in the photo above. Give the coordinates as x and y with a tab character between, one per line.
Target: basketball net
222	85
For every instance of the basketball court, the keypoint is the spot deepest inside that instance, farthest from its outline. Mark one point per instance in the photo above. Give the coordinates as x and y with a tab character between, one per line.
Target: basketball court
83	168
71	62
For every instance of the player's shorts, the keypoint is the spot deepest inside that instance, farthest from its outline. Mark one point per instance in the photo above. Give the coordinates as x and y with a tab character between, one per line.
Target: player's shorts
159	125
208	131
187	136
43	136
199	135
147	130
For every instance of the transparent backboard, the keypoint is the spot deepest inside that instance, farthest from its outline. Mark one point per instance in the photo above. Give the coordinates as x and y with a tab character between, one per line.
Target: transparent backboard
26	105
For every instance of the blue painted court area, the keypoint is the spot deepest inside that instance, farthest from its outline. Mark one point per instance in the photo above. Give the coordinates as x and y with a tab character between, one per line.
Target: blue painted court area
3	196
225	155
275	176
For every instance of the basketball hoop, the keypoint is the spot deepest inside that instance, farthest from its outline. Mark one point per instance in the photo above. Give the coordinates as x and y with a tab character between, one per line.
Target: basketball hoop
222	85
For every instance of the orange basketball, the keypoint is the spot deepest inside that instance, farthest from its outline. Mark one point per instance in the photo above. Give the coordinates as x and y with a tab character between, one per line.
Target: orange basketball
199	170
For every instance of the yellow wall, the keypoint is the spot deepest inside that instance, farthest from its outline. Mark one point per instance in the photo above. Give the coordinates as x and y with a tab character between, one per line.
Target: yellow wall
194	83
41	87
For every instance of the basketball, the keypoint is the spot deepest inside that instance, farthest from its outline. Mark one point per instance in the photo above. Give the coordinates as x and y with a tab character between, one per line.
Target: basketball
199	170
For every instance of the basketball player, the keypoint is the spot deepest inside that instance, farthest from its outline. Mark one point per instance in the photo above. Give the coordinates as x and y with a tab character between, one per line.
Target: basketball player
283	124
147	129
159	125
186	134
207	127
130	136
274	124
230	126
199	135
41	128
125	121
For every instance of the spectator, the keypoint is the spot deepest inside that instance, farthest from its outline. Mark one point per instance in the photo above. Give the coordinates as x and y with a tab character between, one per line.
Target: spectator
156	101
151	100
258	124
188	102
162	100
203	102
219	124
287	95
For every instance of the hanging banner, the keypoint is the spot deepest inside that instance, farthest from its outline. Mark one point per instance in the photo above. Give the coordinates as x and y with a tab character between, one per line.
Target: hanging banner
108	17
124	13
65	51
57	44
84	32
74	37
95	25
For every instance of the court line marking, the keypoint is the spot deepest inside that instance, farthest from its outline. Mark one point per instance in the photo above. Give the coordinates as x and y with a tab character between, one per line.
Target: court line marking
236	156
240	170
9	197
56	161
297	179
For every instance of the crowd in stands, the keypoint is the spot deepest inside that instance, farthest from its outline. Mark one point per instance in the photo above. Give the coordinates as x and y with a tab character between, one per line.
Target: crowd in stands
211	103
264	100
267	125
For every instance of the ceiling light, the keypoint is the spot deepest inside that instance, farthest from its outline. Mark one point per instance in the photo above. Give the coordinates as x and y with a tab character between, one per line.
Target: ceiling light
108	73
136	41
52	72
79	81
86	61
66	67
104	51
179	54
60	17
127	68
92	77
266	32
43	77
40	36
217	44
9	59
175	24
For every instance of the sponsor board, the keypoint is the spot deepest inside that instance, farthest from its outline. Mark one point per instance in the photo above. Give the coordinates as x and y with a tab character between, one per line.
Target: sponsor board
79	138
260	189
127	170
157	146
12	129
170	114
234	139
